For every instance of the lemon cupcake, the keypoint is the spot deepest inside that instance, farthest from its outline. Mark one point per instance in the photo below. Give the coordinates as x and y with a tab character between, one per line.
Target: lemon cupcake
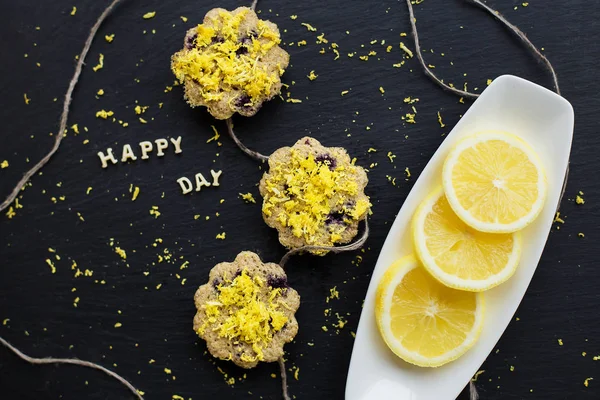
231	63
245	312
314	195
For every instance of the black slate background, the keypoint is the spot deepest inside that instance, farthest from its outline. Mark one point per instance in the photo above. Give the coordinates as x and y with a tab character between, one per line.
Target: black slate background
561	303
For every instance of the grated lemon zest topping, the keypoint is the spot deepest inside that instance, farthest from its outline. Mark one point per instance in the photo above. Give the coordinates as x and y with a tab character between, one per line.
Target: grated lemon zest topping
216	64
310	187
249	319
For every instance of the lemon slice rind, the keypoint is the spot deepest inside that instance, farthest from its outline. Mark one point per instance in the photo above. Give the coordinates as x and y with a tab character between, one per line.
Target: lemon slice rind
390	280
424	255
464	214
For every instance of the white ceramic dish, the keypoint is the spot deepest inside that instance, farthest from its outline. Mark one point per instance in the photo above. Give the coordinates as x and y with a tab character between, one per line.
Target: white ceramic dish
544	120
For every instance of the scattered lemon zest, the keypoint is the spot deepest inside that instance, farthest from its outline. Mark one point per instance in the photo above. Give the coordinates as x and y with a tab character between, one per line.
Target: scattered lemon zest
440	120
312	76
100	63
560	342
109	38
149	15
247	197
335	51
341	322
154	211
11	212
74	10
140	109
221	236
27	100
50	264
579	200
586	381
333	294
4	164
558	219
122	253
104	114
410	118
118	325
408	52
309	27
184	19
474	378
217	135
136	192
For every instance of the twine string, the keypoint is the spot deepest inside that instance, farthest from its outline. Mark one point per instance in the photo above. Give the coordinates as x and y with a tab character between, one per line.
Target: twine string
426	69
519	33
334	249
11	197
473	395
254	154
514	29
74	361
284	385
65	112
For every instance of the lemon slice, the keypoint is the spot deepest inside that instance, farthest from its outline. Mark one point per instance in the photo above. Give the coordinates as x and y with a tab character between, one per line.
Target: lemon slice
494	182
456	254
422	321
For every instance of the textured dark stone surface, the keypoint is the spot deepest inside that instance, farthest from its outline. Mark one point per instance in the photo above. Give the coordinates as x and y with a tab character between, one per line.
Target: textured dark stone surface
561	303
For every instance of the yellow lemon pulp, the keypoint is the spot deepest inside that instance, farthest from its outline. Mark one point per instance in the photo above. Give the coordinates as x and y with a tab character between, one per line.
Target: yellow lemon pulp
494	182
456	254
422	321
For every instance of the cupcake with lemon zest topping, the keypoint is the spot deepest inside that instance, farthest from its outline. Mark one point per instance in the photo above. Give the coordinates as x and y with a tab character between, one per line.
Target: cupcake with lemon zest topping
231	63
314	195
246	311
